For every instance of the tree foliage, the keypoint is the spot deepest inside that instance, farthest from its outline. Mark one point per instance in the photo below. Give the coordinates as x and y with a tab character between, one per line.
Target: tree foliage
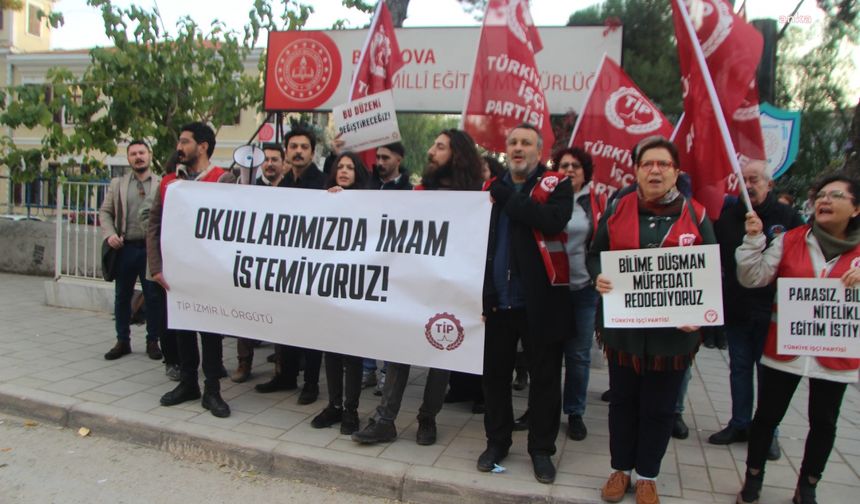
146	85
812	77
649	55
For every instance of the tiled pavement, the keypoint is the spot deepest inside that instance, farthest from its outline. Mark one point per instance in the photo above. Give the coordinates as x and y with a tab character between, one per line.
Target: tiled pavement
51	367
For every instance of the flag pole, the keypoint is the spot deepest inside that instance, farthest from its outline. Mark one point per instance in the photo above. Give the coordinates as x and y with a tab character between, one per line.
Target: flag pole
715	102
677	127
587	99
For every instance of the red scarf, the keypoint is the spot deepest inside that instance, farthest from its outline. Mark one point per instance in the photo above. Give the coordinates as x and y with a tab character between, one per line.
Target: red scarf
623	225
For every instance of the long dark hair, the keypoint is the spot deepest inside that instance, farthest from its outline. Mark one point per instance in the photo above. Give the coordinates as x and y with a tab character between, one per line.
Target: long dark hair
463	171
362	177
580	155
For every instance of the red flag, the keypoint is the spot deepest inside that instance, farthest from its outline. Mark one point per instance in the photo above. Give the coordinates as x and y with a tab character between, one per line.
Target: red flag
745	127
616	116
380	59
731	49
506	86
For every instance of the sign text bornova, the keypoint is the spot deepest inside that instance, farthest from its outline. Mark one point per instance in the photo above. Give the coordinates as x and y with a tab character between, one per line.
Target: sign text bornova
312	70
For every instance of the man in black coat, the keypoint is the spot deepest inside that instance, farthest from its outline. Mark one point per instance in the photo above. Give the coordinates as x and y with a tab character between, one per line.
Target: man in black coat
520	302
747	311
389	172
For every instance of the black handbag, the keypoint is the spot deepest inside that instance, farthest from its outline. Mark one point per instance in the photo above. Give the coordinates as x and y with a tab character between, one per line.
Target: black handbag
110	256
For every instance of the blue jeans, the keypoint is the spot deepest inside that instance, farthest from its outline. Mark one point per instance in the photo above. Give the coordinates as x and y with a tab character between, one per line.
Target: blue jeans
746	343
131	267
682	392
577	350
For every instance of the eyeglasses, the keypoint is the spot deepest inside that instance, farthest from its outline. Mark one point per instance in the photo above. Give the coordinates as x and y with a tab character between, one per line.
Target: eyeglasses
662	165
571	164
834	195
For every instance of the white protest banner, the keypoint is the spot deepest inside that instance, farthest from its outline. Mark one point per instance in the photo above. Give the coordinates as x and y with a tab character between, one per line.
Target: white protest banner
663	287
818	316
367	122
391	275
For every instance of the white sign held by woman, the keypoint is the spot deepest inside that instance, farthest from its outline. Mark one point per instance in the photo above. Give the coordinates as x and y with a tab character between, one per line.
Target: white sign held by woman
818	316
663	287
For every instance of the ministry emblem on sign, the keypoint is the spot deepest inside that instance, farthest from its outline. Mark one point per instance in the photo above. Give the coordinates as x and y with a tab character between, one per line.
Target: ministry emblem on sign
304	69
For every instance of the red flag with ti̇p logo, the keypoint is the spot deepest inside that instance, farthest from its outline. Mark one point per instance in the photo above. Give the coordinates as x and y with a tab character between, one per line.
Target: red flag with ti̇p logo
506	88
617	115
719	53
380	57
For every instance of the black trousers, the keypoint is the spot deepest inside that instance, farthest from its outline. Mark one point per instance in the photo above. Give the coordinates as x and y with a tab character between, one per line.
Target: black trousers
775	391
641	415
167	337
503	329
189	357
343	379
292	359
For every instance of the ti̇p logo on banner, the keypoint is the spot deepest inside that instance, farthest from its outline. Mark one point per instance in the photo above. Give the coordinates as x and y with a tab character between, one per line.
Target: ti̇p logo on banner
444	331
628	110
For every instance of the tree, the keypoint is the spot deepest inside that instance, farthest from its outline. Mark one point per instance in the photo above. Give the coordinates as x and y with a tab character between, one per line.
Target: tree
146	86
815	82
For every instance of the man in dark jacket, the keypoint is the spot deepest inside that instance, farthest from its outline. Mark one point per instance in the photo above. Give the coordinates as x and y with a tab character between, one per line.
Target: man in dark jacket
300	144
520	302
389	172
747	311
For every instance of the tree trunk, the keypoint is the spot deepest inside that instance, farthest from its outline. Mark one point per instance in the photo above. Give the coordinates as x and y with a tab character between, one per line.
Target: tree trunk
852	156
398	11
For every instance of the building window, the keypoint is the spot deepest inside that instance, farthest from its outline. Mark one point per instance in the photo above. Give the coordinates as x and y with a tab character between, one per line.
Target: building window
34	24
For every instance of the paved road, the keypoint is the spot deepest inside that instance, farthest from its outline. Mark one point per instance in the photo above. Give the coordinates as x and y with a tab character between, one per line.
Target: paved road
96	470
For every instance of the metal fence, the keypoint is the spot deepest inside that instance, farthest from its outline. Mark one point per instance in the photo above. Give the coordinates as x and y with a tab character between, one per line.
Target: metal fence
35	200
79	239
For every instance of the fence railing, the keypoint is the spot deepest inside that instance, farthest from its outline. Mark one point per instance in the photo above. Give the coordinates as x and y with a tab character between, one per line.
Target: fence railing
79	241
37	198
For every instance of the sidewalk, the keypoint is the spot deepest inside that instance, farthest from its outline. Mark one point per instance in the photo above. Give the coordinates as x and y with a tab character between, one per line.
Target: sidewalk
52	369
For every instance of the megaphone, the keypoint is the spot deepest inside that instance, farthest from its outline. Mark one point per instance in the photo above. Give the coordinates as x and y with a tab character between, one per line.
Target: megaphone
248	157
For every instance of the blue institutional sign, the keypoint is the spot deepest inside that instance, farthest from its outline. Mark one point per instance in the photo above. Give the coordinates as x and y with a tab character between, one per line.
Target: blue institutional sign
781	131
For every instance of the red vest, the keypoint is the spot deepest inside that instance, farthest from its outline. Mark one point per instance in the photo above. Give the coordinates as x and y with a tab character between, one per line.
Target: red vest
213	176
623	225
796	263
551	248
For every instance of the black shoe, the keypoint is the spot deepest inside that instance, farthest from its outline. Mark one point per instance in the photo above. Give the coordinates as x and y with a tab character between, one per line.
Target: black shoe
426	431
751	490
709	343
729	435
327	417
153	351
722	344
679	428
376	432
183	392
215	404
773	451
121	348
522	423
521	381
576	428
804	493
605	396
349	422
491	456
309	393
479	407
544	469
278	382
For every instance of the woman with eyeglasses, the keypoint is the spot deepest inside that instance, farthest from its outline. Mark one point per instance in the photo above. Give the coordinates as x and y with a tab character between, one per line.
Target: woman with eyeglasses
828	247
343	372
587	209
646	366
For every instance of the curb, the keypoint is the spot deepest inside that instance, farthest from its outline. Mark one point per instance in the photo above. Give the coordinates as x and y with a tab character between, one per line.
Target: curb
347	471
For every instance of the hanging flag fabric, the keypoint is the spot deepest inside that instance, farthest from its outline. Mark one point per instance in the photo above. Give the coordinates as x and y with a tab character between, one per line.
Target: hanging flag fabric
380	57
506	84
731	49
616	116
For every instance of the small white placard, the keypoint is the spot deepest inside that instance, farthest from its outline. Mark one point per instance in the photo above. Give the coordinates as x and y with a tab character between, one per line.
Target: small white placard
818	316
367	123
663	287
